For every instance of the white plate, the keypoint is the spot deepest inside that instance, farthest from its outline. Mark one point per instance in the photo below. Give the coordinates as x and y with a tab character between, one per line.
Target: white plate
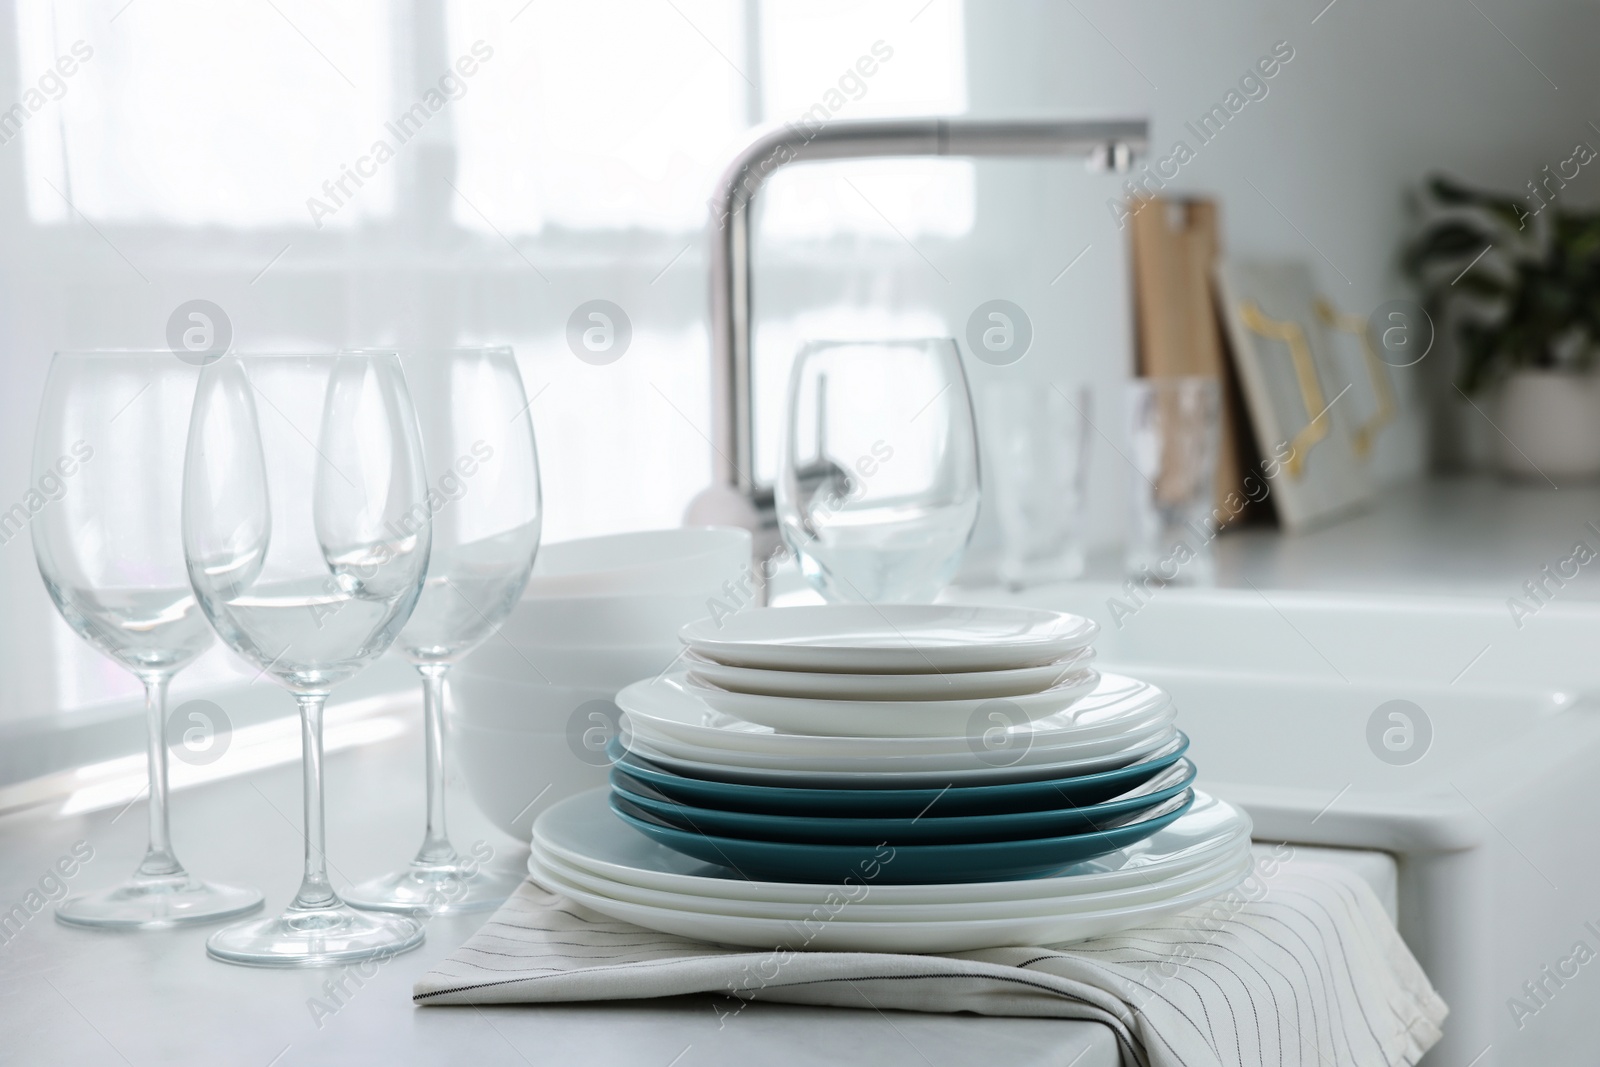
861	904
917	937
963	755
891	718
583	832
676	708
889	638
958	686
718	766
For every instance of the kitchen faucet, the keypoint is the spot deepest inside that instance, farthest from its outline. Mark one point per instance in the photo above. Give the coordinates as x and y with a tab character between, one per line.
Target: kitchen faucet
735	498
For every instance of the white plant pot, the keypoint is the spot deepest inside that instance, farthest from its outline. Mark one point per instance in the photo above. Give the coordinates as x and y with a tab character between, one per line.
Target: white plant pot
1549	423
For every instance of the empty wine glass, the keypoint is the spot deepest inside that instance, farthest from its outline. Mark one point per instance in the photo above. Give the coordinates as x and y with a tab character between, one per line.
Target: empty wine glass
108	478
878	485
306	529
483	477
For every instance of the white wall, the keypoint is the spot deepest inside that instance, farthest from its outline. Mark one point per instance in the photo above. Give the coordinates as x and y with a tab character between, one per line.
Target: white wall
1376	96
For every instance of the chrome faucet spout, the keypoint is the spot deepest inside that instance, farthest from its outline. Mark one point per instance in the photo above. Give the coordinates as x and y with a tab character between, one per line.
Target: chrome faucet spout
1104	142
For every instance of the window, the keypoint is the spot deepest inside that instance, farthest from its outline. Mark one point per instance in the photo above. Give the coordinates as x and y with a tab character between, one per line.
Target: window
536	156
622	130
187	113
827	60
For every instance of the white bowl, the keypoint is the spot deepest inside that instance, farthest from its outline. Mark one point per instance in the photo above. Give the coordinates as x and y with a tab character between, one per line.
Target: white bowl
684	560
612	619
502	704
598	667
514	775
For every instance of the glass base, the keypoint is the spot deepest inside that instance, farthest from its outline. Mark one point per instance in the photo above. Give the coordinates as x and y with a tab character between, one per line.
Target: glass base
448	889
314	937
149	903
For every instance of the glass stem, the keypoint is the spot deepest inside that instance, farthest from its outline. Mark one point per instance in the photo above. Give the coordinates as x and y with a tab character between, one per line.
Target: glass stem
436	850
315	891
159	862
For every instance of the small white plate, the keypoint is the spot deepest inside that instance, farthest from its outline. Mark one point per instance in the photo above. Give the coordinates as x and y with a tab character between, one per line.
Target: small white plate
975	772
957	686
583	832
892	718
889	638
675	708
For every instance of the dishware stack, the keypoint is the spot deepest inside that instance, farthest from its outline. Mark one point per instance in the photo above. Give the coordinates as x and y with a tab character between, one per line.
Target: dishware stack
893	778
530	708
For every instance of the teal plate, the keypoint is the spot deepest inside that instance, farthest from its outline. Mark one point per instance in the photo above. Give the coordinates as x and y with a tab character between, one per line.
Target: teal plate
1053	793
985	861
933	829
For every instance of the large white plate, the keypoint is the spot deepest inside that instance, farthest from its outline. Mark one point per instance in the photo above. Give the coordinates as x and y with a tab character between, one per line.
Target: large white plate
674	707
889	638
890	718
583	832
825	936
824	686
1002	751
859	903
917	773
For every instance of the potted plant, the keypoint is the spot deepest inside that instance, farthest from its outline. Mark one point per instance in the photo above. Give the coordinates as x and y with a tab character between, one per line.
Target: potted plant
1517	284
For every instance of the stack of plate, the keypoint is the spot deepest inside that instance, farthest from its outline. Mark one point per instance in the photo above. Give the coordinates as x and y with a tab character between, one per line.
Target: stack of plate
581	851
961	776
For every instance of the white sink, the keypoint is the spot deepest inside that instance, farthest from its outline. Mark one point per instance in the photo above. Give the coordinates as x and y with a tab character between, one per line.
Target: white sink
1491	826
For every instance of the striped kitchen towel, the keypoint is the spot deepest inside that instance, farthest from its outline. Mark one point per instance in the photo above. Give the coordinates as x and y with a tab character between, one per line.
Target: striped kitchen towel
1300	965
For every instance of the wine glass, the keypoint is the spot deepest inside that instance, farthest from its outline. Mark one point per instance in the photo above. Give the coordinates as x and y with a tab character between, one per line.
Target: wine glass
878	486
483	474
108	477
306	529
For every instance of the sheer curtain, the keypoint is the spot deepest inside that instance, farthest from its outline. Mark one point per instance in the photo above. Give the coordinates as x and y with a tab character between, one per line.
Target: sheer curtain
445	171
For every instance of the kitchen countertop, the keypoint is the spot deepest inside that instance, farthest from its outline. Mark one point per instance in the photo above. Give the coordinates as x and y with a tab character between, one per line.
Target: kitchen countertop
70	996
1468	536
1455	536
81	997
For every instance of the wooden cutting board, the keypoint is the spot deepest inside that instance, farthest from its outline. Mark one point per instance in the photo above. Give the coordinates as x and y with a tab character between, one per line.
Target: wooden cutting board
1175	245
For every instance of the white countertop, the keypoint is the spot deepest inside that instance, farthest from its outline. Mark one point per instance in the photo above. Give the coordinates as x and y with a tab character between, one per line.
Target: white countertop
78	997
1479	536
70	996
1465	536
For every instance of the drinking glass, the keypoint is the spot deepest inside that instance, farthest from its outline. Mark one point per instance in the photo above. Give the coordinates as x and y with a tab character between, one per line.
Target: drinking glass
1174	432
878	485
108	478
306	529
483	477
1039	439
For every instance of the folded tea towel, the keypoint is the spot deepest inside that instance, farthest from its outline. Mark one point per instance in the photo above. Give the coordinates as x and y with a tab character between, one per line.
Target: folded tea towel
1300	965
